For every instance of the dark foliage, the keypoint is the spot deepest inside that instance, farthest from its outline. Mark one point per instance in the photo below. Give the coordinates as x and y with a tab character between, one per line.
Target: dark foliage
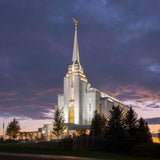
13	128
159	135
131	124
117	138
1	140
10	141
81	132
58	124
146	150
98	124
143	134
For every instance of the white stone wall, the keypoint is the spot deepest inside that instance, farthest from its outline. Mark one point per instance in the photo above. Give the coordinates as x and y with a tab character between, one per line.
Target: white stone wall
67	91
89	105
86	101
61	100
77	99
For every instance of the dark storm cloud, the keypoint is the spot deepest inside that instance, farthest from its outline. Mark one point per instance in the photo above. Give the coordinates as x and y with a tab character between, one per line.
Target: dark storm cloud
153	105
36	38
28	103
153	120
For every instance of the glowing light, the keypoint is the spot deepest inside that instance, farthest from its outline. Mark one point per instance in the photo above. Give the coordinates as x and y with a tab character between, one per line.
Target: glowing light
155	140
71	114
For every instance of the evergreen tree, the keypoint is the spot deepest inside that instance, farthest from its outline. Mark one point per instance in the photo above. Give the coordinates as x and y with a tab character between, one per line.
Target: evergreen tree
13	128
131	123
143	132
116	137
116	121
58	124
98	124
103	122
159	135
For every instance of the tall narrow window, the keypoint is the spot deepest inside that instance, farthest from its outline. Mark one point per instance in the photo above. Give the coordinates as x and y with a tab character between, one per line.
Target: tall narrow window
90	121
72	94
71	114
100	108
72	81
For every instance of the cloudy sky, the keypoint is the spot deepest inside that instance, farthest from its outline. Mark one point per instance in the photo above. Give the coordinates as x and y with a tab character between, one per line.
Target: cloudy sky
119	43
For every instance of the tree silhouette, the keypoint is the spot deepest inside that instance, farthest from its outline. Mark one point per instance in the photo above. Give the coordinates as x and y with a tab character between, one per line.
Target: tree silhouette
143	132
13	128
131	123
98	124
58	124
116	137
159	134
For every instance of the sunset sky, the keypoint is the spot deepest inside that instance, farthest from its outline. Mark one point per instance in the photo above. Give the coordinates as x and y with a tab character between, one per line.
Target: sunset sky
119	43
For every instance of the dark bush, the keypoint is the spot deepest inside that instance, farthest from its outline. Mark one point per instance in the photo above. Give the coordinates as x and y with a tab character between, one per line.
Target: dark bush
118	144
1	140
147	150
10	141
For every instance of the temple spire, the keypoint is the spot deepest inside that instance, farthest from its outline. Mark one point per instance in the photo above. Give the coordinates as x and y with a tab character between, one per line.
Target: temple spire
75	57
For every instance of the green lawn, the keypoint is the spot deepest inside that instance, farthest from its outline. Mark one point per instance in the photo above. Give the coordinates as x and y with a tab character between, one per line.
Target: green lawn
48	149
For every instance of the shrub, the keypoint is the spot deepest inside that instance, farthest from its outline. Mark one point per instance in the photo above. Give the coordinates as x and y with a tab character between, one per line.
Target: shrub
147	150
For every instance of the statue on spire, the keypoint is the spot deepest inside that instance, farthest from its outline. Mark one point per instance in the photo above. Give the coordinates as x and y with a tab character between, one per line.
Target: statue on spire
76	22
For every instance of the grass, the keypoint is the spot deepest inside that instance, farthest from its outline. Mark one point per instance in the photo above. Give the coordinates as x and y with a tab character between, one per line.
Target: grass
48	149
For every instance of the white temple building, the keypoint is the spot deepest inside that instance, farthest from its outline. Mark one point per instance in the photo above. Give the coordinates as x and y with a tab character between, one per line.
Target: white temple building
80	100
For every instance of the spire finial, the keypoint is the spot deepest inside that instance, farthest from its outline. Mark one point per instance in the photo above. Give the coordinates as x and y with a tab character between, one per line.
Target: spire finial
75	57
76	22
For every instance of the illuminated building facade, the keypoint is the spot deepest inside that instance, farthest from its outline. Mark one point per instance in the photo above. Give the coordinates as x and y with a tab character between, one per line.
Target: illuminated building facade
80	100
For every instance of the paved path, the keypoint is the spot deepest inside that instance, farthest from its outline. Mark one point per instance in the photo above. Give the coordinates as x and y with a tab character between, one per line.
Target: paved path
21	156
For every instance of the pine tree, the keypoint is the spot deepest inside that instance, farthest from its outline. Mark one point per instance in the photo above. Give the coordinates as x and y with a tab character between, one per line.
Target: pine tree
116	121
58	124
143	132
98	124
131	123
116	137
13	128
103	122
159	135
